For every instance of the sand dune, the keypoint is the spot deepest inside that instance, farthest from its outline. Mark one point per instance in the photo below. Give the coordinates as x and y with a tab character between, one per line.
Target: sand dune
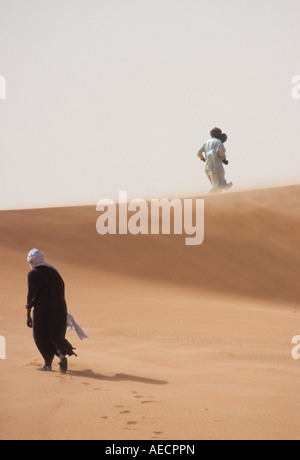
185	342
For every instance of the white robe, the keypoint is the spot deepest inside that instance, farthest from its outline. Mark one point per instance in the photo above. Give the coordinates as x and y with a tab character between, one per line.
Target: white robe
213	153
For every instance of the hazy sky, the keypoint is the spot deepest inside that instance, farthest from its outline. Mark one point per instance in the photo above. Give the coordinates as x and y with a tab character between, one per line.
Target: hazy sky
109	95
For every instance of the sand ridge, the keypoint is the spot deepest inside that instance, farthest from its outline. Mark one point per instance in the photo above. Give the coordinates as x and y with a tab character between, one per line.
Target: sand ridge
185	342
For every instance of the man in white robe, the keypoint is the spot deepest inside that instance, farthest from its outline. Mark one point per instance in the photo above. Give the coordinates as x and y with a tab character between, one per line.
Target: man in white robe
213	153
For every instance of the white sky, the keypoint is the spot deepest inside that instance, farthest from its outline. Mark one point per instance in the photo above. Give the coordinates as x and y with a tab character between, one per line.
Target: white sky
109	95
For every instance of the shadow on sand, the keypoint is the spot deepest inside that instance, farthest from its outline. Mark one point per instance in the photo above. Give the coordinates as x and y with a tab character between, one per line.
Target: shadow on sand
88	373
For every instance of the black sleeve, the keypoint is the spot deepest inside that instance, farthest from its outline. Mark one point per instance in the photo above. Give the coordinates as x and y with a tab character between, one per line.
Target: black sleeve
32	289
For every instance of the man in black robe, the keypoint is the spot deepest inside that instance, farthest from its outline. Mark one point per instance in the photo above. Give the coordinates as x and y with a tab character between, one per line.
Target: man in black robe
46	295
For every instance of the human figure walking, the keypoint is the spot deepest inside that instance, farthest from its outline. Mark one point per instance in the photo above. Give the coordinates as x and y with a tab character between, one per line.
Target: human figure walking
46	295
213	153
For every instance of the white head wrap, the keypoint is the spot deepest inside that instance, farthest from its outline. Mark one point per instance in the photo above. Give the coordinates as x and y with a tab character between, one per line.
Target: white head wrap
36	258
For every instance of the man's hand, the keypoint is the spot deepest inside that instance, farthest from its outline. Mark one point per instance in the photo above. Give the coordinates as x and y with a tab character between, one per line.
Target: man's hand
29	321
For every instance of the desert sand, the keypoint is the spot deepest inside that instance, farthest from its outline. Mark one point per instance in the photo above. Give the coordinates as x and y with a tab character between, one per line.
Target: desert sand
184	342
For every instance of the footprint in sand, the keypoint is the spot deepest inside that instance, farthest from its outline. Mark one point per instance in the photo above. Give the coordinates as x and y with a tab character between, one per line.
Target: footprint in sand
125	412
132	422
157	434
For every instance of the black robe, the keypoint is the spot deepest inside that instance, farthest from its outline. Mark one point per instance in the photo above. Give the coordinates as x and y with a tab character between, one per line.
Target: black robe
46	293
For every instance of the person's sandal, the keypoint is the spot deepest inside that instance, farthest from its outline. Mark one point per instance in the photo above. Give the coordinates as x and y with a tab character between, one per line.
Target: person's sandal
45	369
63	364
